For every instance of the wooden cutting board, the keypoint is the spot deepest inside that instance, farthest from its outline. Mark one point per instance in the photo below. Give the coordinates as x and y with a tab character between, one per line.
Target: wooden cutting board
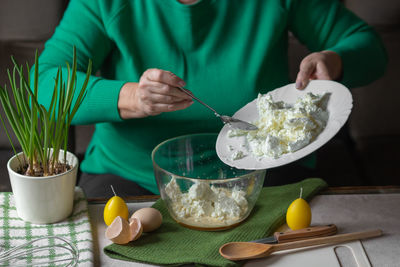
346	254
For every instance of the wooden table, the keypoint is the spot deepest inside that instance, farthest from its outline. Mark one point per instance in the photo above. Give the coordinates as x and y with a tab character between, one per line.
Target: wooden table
350	208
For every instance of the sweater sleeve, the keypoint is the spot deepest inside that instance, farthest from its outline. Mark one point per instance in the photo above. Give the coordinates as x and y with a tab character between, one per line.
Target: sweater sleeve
82	26
328	25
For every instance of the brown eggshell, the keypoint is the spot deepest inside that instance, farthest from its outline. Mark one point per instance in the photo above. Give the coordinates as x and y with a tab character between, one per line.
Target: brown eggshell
119	231
150	218
136	228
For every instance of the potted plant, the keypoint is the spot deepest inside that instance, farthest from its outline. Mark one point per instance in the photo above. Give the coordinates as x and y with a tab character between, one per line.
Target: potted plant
43	175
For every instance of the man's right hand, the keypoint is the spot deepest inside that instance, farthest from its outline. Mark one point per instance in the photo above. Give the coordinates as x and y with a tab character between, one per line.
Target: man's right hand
155	93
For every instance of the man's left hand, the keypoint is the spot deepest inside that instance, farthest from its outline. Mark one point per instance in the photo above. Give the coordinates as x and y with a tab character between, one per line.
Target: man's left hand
324	65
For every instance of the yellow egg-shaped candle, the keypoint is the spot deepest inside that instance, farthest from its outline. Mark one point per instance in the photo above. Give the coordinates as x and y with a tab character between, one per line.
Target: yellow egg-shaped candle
115	206
298	215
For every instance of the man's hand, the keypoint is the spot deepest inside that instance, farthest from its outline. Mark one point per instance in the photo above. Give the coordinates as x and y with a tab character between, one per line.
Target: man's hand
155	93
325	65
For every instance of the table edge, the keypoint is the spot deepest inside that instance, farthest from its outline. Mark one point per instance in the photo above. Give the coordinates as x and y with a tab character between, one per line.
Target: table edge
337	190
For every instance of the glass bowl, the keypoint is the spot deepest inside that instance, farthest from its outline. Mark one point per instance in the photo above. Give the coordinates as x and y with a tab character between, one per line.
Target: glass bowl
199	190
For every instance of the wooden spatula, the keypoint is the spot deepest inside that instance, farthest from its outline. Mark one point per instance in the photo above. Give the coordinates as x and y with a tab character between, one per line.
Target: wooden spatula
248	250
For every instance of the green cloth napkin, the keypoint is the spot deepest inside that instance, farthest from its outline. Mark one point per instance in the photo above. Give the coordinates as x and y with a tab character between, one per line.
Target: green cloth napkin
173	244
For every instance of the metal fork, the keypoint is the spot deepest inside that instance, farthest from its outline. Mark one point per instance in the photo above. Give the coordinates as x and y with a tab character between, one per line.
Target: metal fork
233	122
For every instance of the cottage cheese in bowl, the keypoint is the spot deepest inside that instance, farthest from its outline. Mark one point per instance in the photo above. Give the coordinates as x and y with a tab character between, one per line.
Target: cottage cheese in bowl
207	205
198	189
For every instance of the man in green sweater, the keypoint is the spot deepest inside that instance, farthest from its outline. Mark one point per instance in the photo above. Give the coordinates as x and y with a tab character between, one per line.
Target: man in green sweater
224	51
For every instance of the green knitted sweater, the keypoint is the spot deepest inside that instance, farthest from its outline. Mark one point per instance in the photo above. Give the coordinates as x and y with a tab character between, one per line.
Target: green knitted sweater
227	51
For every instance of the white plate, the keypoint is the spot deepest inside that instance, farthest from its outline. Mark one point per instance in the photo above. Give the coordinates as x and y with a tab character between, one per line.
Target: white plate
339	107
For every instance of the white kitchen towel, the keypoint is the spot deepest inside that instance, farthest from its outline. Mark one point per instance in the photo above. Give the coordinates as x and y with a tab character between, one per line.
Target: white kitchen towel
60	243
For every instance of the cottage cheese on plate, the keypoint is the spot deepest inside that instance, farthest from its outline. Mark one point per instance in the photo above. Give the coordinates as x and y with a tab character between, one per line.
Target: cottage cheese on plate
205	205
285	128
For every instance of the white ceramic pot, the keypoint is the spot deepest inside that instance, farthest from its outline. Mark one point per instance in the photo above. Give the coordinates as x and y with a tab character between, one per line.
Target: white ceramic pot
43	200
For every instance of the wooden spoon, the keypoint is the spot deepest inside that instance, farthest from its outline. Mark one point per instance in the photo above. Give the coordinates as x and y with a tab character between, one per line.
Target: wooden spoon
248	250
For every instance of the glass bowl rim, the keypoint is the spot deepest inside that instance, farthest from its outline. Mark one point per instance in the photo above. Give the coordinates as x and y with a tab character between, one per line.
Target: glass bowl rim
198	179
